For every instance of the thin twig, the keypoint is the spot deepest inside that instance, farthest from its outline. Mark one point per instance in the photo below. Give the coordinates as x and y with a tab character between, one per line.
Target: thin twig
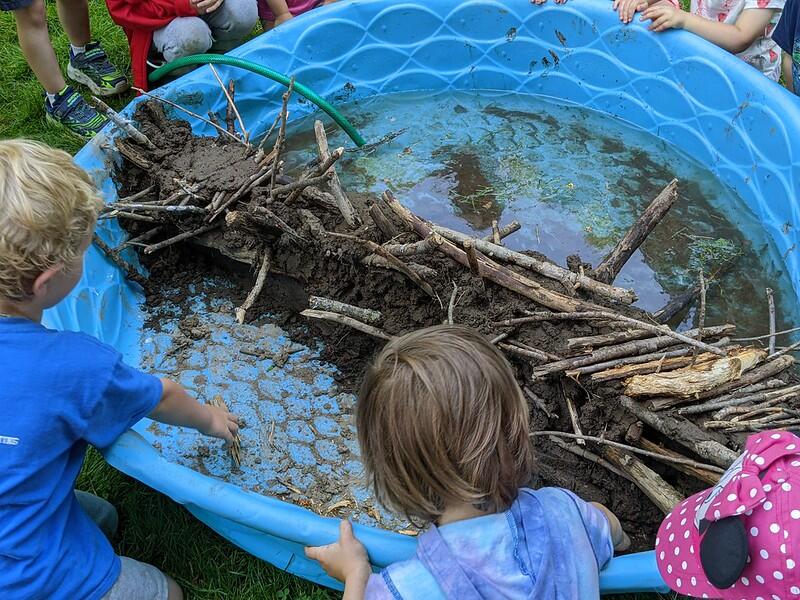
284	116
113	255
122	123
190	113
632	449
771	303
180	238
786	350
573	416
137	195
231	103
261	278
452	305
345	320
701	319
765	336
590	456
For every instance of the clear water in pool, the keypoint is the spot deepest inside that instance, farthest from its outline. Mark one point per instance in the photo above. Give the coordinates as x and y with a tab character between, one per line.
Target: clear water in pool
576	180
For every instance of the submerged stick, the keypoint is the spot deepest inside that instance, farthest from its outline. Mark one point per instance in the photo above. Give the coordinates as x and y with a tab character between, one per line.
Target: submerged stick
771	303
342	201
542	267
362	314
261	278
612	264
345	320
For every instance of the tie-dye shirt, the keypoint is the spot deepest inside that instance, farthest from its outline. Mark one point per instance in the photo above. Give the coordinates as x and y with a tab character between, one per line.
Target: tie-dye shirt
764	53
549	545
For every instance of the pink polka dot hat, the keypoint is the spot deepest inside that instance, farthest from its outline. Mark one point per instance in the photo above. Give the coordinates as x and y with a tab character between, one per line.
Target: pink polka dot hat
741	538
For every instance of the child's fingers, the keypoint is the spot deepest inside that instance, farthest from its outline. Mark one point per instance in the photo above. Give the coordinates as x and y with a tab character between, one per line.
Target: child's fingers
346	531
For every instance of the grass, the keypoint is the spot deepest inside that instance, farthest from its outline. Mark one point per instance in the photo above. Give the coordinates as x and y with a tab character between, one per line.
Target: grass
152	528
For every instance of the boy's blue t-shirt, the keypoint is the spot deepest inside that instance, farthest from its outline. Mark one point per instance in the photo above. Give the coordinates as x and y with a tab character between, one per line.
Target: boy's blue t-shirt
60	391
787	36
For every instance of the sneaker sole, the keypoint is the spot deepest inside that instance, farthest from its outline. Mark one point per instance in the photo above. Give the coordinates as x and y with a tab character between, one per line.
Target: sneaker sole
84	79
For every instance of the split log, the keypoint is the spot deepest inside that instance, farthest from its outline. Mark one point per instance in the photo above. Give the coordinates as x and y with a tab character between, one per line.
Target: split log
133	155
608	353
491	270
741	396
365	315
704	475
503	232
690	381
760	373
662	494
373	260
759	400
683	432
661	365
612	264
345	320
545	268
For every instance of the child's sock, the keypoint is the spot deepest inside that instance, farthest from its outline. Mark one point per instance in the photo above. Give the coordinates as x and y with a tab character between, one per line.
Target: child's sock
51	98
77	49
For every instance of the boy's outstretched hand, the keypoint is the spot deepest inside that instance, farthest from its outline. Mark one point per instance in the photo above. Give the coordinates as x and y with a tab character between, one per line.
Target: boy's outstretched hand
345	560
177	407
222	424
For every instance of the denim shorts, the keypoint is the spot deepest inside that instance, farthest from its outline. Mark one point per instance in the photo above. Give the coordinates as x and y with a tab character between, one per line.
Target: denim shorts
14	4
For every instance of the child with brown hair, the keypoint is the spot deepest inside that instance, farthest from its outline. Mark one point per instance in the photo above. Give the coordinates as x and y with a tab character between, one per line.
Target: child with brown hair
444	435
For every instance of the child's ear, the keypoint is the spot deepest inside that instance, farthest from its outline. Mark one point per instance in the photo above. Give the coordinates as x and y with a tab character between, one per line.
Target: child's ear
42	282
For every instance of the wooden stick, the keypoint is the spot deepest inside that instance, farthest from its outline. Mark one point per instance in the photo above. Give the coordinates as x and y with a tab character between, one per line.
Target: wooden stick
611	265
496	233
503	232
490	270
740	396
122	123
147	235
765	336
365	315
420	247
157	208
138	195
606	339
235	447
216	126
113	255
771	303
679	460
590	456
261	278
608	353
385	226
264	212
348	321
760	373
537	402
373	260
268	134
764	399
254	180
573	416
683	432
781	352
706	475
452	305
299	185
278	148
524	352
701	320
321	170
399	265
661	365
472	261
232	112
180	238
662	494
116	214
545	268
342	201
548	355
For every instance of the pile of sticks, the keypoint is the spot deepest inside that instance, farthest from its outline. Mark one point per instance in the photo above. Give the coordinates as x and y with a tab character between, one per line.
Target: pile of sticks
688	389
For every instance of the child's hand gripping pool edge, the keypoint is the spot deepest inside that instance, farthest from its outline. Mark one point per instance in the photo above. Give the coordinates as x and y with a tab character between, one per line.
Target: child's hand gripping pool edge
345	560
177	407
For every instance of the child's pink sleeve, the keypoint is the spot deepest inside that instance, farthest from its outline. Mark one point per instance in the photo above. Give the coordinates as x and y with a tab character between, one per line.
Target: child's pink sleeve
773	4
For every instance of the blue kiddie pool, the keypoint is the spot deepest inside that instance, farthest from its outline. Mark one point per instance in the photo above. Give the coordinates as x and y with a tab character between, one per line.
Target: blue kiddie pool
693	95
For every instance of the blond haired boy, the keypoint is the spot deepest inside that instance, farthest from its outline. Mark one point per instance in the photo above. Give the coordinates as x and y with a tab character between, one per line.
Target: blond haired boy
60	391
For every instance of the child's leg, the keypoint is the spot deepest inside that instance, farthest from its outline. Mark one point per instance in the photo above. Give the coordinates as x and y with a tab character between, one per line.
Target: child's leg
100	511
74	17
34	40
183	36
232	22
786	69
143	582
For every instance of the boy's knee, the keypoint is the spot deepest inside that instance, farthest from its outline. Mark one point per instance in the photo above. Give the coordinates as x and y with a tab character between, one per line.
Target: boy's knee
184	36
33	16
235	20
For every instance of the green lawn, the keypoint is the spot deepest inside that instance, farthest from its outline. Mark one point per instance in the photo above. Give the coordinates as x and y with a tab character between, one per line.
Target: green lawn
152	528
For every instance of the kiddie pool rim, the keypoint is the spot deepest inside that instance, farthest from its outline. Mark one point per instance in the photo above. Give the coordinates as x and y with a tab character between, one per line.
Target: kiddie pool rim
660	83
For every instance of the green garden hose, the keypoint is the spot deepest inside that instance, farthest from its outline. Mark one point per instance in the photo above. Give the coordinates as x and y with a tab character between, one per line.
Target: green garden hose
204	59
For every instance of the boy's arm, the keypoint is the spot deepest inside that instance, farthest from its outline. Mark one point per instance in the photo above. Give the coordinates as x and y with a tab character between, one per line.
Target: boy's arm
619	538
280	10
733	37
178	408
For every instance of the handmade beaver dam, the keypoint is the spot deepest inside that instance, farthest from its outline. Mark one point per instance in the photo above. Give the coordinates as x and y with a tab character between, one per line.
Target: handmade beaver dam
624	410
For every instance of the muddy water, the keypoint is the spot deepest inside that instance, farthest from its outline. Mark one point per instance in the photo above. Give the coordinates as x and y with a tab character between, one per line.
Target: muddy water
576	180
